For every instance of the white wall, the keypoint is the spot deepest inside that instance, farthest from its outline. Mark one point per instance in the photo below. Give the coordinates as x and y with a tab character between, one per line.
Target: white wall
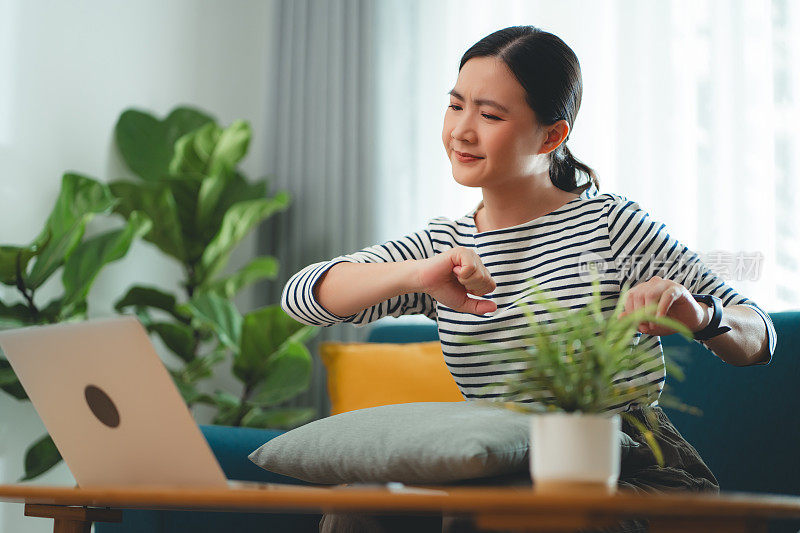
67	70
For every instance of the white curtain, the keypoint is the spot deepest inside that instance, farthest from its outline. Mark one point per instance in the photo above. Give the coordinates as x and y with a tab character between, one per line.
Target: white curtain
690	108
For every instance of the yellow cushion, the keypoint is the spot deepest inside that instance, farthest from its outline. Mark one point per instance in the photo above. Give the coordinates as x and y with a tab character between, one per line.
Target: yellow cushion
370	374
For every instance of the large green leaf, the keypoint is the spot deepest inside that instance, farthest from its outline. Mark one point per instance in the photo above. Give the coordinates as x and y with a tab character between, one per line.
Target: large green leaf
147	144
82	267
230	148
193	150
178	338
211	190
40	457
258	269
287	373
264	331
78	195
210	149
54	312
14	316
185	191
237	222
7	375
140	297
235	188
79	200
8	379
14	259
282	418
157	202
219	314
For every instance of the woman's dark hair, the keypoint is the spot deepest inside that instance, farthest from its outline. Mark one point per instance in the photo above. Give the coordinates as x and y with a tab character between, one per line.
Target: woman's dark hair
549	72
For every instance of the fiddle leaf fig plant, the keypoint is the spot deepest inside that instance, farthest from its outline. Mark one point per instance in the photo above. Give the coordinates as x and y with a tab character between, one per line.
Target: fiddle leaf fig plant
575	359
269	358
63	246
190	201
202	206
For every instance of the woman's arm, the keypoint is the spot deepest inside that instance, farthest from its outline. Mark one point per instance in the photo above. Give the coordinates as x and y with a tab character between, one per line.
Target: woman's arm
361	287
747	342
662	270
449	278
348	288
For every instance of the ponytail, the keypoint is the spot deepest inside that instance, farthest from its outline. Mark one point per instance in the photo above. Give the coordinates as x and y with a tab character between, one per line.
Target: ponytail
565	168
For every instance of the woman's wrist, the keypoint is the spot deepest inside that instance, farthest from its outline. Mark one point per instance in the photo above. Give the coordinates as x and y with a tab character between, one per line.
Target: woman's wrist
412	277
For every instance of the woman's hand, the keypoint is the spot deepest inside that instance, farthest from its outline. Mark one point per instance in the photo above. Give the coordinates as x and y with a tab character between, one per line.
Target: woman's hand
450	276
673	300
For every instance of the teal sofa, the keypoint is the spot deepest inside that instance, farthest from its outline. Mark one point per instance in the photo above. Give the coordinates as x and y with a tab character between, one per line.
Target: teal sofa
749	434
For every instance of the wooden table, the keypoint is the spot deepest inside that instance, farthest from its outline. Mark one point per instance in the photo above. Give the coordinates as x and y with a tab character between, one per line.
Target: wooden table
506	508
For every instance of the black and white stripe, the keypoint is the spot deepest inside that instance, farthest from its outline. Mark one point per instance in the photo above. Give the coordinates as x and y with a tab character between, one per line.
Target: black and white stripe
607	229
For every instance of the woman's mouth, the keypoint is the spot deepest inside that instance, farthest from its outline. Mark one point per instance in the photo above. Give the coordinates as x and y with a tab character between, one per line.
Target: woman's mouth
465	157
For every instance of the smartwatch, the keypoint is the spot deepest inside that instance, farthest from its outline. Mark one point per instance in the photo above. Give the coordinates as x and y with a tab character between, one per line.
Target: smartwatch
713	328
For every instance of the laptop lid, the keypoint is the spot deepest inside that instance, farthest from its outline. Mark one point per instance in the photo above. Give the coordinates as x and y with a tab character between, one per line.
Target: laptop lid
110	405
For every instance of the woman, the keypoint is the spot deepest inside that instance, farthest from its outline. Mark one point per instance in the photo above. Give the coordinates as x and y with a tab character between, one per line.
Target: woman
511	111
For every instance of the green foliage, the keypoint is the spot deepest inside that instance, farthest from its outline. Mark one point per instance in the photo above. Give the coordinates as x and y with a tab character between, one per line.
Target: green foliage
8	380
574	357
192	203
268	357
40	457
61	245
146	143
202	207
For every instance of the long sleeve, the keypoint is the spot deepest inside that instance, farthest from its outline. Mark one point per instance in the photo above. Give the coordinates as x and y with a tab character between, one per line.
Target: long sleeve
642	248
298	295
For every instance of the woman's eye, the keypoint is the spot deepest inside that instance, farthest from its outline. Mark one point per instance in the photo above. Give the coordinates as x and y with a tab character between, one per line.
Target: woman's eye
456	107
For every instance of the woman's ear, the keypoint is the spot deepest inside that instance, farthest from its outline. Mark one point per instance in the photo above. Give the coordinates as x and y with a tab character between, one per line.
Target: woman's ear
555	135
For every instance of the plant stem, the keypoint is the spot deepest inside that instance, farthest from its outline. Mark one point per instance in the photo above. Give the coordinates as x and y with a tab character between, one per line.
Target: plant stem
191	283
28	297
190	287
31	305
248	390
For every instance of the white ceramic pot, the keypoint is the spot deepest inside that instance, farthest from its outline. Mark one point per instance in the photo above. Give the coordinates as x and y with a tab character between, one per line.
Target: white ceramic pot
575	451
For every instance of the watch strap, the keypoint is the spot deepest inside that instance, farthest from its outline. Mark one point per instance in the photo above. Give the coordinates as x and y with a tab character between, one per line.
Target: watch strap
713	328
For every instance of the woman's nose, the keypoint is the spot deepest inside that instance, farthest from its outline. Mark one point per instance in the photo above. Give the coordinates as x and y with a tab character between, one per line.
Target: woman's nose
463	130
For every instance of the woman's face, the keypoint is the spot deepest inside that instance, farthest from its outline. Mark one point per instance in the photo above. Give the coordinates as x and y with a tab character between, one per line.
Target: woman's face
488	117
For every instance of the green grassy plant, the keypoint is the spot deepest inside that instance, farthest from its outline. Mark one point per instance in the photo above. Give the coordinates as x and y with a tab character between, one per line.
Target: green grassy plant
574	357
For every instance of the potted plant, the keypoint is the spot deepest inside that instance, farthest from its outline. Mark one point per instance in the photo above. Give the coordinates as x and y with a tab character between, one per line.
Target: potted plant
574	360
202	206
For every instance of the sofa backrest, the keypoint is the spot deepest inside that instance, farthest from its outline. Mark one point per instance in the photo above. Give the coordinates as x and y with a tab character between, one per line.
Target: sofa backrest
749	433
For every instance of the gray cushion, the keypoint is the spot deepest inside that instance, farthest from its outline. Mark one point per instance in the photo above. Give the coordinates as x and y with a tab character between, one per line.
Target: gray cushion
423	442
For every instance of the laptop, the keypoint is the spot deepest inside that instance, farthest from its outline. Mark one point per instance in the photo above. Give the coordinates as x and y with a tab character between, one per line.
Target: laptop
110	405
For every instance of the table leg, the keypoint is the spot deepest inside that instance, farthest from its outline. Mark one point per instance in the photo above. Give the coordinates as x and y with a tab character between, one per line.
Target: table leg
70	519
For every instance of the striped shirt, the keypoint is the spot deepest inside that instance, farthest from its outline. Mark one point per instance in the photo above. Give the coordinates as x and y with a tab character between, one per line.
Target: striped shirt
607	230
